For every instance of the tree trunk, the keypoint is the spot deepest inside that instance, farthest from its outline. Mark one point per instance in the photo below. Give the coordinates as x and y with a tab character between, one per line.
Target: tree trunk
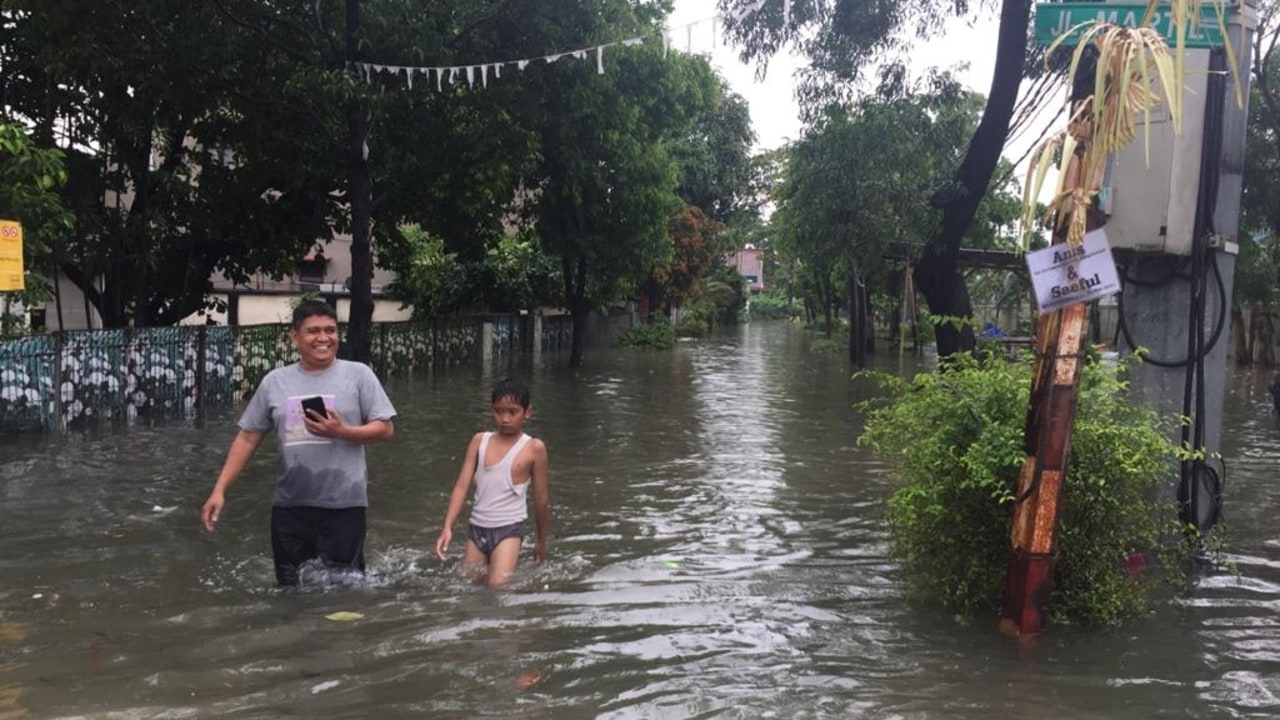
1263	349
937	272
575	293
896	286
1240	338
824	294
360	195
579	312
1248	344
857	321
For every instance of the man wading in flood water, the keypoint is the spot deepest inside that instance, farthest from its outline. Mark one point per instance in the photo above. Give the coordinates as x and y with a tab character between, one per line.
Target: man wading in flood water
323	411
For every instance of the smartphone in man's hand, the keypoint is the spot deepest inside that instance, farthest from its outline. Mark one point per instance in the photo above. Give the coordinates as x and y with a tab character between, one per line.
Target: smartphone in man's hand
315	404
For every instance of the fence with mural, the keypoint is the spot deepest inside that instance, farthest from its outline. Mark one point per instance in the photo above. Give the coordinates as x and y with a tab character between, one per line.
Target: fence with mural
71	379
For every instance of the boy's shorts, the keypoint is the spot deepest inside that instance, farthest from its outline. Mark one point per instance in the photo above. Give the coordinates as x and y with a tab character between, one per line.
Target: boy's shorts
488	538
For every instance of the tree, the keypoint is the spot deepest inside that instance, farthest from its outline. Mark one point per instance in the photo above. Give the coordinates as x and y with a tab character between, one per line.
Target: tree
1258	267
30	180
718	184
860	179
841	38
714	157
443	155
605	183
698	249
165	178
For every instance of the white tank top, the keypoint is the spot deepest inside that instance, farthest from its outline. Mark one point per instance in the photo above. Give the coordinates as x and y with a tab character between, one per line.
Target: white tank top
498	500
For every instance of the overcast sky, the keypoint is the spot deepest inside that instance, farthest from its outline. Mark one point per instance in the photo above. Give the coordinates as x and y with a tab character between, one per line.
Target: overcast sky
773	107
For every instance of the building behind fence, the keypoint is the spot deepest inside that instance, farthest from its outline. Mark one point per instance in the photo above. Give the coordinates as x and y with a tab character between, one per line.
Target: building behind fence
70	379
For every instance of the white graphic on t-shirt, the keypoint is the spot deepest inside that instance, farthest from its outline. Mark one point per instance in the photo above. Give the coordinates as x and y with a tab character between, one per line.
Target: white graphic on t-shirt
295	429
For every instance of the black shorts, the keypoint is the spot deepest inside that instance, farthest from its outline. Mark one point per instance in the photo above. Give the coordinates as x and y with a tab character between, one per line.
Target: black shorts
299	534
487	538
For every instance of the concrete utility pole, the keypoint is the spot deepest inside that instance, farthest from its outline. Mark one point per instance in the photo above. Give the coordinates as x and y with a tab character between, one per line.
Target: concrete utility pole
1176	300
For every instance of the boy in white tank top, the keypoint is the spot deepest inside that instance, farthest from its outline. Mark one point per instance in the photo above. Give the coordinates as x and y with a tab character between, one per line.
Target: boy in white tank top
502	465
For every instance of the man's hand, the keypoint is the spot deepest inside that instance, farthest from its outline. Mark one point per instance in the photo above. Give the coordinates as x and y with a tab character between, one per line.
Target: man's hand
329	425
540	550
211	510
442	542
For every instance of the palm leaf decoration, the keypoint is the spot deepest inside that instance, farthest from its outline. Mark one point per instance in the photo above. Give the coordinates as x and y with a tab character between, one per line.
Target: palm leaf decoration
1136	72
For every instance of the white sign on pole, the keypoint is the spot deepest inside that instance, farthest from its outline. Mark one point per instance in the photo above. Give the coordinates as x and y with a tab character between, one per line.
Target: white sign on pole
1063	275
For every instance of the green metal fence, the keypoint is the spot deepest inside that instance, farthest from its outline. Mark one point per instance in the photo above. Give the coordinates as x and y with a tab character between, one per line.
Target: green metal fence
70	379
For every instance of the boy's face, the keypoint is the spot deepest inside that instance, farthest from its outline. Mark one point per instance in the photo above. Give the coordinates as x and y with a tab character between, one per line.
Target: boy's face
509	416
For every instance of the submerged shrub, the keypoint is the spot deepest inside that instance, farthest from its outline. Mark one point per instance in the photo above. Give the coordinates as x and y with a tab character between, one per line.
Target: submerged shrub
771	306
829	345
956	438
655	336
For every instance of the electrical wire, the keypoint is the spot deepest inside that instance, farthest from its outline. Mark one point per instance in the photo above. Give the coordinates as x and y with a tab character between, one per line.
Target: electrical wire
1199	490
1198	482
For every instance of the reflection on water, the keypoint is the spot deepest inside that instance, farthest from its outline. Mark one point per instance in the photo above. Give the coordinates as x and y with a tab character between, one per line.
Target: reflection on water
718	552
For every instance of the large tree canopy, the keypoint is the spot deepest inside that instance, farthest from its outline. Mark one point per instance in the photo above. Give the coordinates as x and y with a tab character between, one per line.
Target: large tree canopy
240	133
30	180
604	185
841	38
858	184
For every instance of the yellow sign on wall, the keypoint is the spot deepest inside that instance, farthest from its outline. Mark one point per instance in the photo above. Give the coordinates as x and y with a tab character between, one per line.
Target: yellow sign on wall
11	275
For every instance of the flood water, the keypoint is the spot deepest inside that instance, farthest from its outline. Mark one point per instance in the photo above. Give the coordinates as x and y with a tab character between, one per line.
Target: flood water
718	553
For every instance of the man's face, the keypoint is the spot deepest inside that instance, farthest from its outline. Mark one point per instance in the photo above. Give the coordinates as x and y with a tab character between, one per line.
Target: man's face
317	341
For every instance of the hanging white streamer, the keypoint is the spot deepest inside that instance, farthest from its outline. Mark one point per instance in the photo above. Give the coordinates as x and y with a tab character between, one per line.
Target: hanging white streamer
367	70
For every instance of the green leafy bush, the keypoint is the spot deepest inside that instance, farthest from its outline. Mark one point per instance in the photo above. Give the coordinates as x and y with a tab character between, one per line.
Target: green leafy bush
697	320
956	438
654	336
819	325
429	276
771	306
837	344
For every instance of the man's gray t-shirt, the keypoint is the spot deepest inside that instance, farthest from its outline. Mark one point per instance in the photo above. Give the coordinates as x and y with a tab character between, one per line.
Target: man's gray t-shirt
314	471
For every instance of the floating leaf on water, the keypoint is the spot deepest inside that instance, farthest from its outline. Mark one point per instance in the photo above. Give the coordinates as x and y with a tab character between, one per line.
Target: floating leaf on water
11	632
9	705
344	616
672	564
528	679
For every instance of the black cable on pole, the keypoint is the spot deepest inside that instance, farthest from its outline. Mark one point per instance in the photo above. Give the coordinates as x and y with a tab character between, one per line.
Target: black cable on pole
1199	483
1122	326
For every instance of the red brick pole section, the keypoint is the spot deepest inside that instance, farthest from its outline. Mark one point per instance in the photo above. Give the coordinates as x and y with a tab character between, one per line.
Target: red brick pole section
1051	411
1050	418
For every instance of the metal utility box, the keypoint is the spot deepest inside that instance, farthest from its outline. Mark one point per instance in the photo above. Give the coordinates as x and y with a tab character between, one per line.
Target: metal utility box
1152	204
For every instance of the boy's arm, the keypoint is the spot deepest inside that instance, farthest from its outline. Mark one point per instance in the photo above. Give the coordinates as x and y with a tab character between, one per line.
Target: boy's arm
459	496
541	500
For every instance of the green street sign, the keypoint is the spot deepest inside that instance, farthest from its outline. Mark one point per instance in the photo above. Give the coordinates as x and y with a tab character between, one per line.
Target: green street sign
1053	20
